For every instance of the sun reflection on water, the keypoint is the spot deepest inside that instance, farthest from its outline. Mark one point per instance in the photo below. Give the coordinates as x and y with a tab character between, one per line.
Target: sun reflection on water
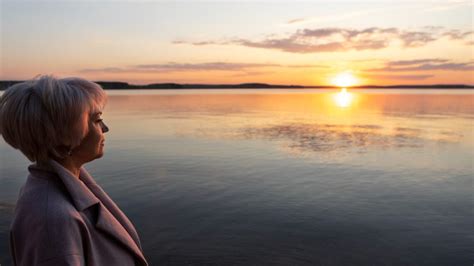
343	98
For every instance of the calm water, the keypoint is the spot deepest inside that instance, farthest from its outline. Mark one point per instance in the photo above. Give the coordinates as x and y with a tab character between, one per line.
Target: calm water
276	177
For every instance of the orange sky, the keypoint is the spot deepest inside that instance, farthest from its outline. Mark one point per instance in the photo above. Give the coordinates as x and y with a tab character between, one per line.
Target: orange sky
304	43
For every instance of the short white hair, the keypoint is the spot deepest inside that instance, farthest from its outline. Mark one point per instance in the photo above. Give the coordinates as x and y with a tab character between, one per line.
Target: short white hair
43	117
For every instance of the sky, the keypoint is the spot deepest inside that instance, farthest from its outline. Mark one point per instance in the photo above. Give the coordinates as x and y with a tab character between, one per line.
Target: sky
226	42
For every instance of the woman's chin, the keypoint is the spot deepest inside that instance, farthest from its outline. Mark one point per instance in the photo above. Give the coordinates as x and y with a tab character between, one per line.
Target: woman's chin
99	154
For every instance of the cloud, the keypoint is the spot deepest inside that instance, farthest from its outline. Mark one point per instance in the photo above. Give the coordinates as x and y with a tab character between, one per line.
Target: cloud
424	65
415	62
183	67
325	40
105	69
466	36
179	67
195	43
399	77
219	66
342	39
296	20
251	73
417	38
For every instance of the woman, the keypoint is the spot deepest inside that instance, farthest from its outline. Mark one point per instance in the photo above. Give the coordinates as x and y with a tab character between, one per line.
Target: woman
62	216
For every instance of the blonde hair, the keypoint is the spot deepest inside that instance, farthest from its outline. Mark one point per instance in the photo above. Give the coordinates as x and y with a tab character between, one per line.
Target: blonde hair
43	117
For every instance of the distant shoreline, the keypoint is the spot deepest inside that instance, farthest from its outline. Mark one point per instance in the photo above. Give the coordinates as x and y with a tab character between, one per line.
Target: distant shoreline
110	85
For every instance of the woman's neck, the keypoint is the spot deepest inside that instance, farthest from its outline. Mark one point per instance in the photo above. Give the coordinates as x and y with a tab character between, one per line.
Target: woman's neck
71	165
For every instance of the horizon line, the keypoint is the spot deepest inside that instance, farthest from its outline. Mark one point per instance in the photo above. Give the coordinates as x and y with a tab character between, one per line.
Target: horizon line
266	84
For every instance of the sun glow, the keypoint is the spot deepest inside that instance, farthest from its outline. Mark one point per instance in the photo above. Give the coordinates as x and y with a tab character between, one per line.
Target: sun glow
344	80
343	98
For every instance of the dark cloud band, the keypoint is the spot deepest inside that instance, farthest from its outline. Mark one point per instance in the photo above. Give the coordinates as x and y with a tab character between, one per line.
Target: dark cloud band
183	67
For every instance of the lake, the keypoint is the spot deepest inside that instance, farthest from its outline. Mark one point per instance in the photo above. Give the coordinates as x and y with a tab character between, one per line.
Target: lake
285	177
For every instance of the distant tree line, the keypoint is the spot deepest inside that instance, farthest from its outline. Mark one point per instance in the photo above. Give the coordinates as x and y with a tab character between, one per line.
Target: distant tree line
113	85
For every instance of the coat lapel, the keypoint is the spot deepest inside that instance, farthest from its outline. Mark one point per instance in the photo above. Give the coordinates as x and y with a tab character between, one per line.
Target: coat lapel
86	193
108	224
110	205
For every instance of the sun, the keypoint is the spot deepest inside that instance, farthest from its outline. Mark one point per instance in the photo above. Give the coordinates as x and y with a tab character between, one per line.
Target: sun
344	80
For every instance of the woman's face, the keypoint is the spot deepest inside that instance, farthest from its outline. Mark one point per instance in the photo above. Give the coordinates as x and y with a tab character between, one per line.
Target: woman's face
92	146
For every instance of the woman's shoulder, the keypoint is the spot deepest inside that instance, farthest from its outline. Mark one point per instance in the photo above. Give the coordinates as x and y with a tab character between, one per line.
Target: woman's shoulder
44	201
45	224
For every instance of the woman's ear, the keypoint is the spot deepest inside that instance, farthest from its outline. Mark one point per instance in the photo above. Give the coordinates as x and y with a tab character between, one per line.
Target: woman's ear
62	152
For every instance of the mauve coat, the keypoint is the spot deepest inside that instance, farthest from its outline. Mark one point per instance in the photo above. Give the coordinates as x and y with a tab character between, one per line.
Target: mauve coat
61	220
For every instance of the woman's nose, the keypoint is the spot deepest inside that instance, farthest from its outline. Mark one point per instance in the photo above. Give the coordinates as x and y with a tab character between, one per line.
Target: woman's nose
105	128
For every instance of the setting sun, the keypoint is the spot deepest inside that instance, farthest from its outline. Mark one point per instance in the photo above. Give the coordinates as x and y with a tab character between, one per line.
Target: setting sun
344	79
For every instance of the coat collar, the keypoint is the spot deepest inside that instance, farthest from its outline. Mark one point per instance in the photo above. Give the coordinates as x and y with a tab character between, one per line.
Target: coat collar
81	195
85	192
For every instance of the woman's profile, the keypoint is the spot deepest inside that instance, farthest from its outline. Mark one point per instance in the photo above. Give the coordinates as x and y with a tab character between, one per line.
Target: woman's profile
62	216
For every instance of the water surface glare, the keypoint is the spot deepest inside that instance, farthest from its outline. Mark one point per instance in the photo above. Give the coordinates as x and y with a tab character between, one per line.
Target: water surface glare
284	177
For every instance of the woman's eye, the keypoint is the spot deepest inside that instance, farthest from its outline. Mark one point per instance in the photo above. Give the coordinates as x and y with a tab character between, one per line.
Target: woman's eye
100	120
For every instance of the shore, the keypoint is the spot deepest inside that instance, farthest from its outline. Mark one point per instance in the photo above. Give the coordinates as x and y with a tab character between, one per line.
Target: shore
112	85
